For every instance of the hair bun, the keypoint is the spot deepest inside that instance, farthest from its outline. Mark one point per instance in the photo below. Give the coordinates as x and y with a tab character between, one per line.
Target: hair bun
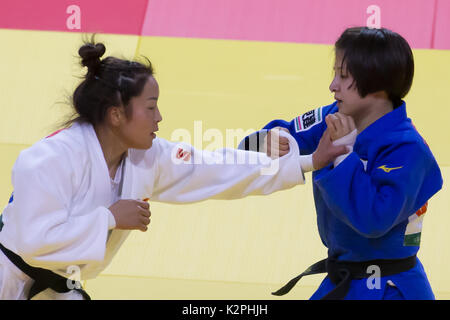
90	54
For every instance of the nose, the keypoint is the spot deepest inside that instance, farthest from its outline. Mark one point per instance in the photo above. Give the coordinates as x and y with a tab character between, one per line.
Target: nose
158	117
333	85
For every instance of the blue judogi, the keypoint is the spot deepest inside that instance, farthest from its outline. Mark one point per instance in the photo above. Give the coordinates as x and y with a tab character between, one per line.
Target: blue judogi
366	205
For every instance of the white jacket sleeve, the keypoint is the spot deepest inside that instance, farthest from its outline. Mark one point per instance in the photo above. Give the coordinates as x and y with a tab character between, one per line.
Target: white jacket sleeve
48	234
185	174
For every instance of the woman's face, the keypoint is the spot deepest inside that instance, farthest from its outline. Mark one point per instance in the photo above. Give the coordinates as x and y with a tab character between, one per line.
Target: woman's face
138	130
345	92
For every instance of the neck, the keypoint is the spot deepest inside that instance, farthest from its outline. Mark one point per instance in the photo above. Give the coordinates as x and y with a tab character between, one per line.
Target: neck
113	149
375	111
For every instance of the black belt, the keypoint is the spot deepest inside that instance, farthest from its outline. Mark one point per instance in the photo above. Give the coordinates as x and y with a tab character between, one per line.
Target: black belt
341	273
43	278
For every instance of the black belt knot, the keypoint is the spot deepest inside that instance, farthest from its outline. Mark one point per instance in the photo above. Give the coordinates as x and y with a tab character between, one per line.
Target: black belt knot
341	273
43	278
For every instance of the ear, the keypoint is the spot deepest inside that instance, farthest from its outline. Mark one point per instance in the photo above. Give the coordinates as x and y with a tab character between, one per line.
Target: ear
116	115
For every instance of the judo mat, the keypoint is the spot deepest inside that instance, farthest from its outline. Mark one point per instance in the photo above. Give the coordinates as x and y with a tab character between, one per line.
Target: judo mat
240	249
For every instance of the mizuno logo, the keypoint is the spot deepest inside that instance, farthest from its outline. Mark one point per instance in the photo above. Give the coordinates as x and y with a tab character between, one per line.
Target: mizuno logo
387	170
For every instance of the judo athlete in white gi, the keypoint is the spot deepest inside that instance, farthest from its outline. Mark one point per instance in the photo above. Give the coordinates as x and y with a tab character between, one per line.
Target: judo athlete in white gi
78	193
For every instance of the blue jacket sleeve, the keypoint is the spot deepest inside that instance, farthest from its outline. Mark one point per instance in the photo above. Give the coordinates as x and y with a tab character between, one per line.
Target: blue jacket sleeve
307	129
398	182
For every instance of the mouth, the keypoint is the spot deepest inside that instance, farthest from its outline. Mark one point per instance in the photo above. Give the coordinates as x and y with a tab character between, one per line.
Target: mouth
339	101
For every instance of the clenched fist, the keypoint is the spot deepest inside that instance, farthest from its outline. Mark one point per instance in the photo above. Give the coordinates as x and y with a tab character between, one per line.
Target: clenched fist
339	125
326	151
131	214
275	145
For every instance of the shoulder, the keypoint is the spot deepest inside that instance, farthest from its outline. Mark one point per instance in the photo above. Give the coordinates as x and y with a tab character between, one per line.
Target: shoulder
405	142
64	148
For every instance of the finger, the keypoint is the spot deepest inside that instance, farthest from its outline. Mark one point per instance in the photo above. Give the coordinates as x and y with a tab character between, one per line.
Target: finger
274	136
145	221
143	228
330	123
343	121
348	122
274	143
284	140
145	212
281	144
284	129
283	153
143	204
326	135
338	124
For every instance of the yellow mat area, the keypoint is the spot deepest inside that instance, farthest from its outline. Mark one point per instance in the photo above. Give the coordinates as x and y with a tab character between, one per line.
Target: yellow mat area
241	249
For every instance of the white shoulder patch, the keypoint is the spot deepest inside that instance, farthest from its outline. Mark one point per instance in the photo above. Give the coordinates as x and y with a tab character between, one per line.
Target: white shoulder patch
308	120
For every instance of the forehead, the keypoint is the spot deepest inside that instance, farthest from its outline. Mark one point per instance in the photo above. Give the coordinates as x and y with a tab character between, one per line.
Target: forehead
150	92
151	88
339	55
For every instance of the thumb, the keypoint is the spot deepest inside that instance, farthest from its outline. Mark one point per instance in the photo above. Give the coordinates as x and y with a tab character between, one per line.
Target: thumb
340	150
326	134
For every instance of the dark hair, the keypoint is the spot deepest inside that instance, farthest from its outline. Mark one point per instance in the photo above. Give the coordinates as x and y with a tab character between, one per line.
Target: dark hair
108	82
378	60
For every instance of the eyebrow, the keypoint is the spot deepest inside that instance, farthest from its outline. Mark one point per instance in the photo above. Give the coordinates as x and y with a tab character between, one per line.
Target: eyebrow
153	98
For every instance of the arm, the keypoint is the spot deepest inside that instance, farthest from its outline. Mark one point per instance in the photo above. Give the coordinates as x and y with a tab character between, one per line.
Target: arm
373	202
188	175
307	129
313	127
47	233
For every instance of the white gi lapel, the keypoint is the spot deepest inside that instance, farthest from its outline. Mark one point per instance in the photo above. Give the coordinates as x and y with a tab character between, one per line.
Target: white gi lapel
117	237
103	195
126	187
99	170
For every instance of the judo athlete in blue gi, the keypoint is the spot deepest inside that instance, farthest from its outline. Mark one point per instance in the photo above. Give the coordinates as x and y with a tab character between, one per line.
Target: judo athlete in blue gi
370	202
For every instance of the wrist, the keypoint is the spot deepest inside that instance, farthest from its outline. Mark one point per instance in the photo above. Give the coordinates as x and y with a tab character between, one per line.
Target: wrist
307	163
347	140
315	162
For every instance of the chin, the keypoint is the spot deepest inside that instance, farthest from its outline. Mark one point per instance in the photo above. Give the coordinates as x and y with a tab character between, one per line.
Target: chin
342	110
143	146
149	145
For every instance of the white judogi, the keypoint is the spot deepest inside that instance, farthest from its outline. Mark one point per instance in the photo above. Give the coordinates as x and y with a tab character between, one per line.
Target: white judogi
62	190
